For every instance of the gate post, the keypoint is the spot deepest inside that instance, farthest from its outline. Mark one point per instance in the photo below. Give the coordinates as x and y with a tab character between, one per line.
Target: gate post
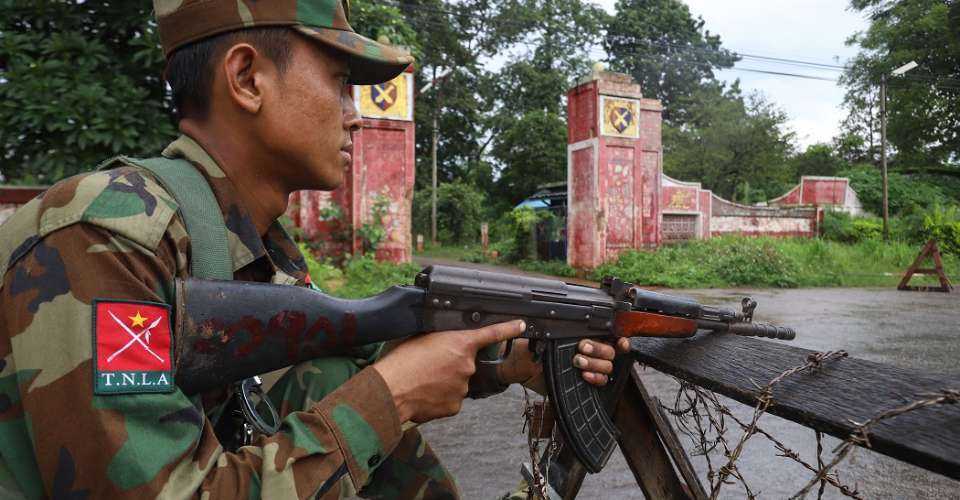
614	166
379	179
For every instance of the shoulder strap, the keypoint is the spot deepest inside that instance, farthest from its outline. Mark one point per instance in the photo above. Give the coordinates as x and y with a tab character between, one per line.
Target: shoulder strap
209	255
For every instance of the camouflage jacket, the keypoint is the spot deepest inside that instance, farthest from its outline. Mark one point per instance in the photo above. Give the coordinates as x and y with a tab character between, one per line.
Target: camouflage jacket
116	235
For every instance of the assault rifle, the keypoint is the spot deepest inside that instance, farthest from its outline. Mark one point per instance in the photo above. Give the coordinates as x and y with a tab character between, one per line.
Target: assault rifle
230	331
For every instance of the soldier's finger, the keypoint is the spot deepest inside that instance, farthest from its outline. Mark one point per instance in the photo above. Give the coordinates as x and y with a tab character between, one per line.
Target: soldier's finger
497	333
588	364
623	345
597	379
596	349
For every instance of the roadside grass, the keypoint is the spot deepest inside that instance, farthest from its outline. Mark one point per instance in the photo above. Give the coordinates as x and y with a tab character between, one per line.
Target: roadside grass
769	262
716	263
452	252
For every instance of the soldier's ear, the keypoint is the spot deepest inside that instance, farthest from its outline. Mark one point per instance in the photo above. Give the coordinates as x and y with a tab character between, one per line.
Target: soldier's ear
244	75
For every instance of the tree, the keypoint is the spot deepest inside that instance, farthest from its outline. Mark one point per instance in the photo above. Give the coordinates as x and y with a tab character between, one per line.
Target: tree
528	123
665	49
733	145
534	152
818	159
924	120
79	82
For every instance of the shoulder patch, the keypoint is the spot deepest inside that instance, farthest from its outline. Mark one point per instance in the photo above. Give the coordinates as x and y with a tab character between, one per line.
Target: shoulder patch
132	347
125	200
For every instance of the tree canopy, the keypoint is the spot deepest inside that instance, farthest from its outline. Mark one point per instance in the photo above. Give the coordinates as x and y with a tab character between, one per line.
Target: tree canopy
80	82
924	119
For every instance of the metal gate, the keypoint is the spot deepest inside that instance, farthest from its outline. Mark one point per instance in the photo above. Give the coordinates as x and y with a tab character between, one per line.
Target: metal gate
679	227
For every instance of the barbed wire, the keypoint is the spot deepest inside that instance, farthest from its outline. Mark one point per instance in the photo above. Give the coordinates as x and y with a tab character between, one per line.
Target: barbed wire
702	417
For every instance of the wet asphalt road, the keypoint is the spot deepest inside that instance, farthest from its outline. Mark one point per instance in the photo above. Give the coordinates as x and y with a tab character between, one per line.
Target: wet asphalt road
484	445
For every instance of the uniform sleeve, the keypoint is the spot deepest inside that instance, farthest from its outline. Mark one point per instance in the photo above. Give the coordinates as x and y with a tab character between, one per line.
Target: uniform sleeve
146	444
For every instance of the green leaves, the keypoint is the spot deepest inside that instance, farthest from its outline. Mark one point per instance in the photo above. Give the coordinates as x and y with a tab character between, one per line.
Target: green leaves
924	121
665	49
80	83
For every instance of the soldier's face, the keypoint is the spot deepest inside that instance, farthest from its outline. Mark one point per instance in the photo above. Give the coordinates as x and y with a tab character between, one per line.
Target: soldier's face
311	117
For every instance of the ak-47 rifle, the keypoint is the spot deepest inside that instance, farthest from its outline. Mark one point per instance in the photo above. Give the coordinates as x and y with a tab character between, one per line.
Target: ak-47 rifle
230	331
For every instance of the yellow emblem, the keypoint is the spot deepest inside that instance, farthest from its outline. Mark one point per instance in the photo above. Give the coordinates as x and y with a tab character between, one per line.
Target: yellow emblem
621	117
389	100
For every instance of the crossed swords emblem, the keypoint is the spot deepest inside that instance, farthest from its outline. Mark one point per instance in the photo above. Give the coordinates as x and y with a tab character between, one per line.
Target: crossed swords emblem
384	95
621	118
135	338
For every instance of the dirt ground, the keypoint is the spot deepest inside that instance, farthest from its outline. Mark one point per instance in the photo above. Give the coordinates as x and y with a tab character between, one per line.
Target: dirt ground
484	445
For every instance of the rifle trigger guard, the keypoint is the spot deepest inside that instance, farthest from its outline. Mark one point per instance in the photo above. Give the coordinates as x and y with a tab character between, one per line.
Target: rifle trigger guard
503	357
251	387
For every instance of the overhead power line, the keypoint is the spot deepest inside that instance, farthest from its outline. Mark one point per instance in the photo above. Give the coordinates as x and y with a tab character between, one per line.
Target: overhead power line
947	83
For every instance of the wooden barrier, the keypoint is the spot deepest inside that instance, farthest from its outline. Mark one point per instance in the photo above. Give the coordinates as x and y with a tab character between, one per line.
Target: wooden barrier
828	399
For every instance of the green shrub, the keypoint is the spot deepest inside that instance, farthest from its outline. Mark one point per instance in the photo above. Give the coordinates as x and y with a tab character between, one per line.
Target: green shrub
943	225
726	261
842	227
461	208
549	267
736	261
365	276
905	192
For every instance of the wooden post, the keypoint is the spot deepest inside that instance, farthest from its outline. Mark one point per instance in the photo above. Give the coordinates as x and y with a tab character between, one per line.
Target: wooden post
419	243
929	250
484	237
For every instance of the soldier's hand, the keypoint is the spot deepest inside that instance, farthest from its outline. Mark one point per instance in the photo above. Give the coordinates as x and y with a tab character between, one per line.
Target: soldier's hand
428	374
595	360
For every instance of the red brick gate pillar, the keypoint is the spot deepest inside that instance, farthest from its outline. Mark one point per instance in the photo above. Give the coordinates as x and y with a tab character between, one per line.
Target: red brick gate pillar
379	181
614	155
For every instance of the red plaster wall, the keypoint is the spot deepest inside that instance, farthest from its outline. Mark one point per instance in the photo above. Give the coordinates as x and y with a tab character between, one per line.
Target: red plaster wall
582	113
819	191
582	214
706	213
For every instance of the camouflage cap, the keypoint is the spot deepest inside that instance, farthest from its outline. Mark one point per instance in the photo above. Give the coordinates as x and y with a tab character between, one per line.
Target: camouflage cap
182	22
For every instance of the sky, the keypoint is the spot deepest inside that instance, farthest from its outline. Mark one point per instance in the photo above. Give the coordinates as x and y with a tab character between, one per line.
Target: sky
806	30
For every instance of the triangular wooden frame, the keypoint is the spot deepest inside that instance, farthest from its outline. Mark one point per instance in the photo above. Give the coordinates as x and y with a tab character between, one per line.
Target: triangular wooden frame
929	250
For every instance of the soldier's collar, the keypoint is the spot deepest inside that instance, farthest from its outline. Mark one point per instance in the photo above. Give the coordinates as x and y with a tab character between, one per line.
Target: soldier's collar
245	243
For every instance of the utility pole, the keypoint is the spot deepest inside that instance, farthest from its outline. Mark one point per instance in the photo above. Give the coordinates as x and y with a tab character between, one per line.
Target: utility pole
883	155
433	149
433	159
883	142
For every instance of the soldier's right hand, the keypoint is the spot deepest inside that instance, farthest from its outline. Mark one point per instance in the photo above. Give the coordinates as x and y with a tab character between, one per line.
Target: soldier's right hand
428	375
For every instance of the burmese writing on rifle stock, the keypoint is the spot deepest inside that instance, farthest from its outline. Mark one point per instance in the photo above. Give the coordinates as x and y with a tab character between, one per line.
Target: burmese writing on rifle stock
234	330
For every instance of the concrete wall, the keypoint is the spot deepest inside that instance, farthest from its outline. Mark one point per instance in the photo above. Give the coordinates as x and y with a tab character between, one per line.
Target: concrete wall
733	218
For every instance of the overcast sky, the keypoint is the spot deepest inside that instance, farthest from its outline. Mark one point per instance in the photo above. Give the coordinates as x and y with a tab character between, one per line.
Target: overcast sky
808	30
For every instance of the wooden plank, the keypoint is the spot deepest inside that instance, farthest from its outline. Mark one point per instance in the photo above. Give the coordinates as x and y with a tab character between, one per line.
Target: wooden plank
668	436
640	445
826	399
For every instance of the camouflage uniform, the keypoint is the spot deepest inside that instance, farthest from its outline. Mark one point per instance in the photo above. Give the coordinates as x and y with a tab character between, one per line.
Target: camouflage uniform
116	234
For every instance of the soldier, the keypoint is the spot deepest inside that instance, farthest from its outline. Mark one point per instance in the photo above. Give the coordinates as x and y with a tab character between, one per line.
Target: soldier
87	349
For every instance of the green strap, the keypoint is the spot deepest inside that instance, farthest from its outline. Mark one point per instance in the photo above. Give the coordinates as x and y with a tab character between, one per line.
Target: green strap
209	255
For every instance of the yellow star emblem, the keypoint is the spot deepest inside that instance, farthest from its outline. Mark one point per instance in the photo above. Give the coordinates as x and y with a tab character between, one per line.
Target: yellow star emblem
137	320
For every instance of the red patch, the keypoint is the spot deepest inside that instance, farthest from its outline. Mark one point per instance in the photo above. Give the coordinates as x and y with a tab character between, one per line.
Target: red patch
133	347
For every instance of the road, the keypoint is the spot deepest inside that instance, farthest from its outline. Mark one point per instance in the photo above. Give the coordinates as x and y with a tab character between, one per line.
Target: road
484	445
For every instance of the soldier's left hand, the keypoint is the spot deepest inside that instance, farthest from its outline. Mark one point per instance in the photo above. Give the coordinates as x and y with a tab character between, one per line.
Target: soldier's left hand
595	360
